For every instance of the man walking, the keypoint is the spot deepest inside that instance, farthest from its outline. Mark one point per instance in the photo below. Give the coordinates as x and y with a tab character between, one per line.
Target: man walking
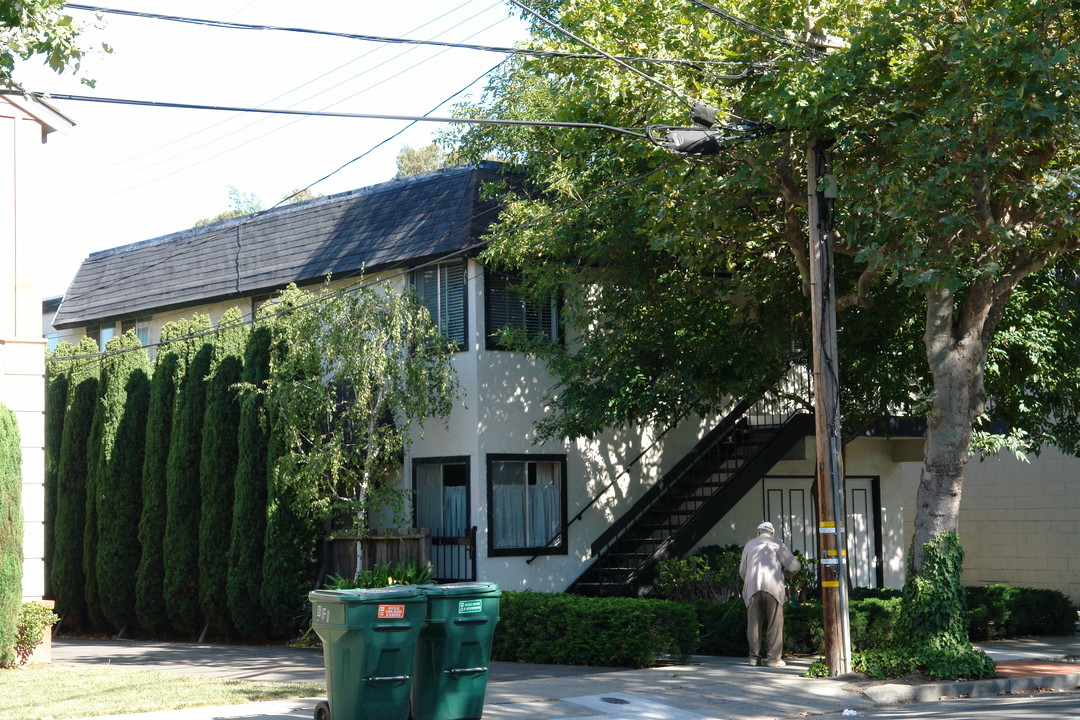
766	562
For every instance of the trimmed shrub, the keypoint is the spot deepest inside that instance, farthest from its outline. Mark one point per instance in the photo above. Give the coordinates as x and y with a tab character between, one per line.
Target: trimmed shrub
124	402
11	533
217	470
723	626
56	392
289	546
182	489
150	576
1003	611
34	620
68	580
95	457
249	499
572	630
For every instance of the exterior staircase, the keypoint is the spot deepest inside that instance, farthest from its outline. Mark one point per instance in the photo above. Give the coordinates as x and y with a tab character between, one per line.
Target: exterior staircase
680	509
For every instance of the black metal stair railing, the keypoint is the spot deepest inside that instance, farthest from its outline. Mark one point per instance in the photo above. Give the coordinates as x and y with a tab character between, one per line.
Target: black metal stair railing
681	507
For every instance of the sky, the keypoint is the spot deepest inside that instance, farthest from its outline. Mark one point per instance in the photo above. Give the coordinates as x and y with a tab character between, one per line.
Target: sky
125	174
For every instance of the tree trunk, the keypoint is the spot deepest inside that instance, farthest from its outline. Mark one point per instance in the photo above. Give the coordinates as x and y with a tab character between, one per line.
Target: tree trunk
955	340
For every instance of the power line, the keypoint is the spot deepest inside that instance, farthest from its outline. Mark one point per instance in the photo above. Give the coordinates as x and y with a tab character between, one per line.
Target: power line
300	119
746	25
260	213
679	93
383	39
322	113
171	145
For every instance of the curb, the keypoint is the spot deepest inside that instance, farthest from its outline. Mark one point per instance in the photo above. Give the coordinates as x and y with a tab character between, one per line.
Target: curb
901	694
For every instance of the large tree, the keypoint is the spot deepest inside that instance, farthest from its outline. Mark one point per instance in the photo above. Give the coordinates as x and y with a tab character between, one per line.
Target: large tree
956	148
37	28
353	373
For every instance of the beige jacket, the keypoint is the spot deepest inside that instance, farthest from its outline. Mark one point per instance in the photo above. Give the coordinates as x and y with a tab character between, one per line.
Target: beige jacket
765	563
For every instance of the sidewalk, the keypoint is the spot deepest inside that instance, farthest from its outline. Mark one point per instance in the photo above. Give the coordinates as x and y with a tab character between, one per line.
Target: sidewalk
706	688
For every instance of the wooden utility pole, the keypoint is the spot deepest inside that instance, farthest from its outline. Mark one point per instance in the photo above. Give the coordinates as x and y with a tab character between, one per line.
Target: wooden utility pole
832	538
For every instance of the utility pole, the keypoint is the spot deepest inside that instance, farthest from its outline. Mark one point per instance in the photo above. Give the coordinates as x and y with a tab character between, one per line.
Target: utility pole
832	538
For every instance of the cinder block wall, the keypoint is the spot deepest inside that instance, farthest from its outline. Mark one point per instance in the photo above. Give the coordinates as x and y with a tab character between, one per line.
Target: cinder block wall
1019	522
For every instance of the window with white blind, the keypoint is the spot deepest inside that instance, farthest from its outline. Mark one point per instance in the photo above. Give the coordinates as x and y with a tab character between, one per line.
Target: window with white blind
441	288
505	308
526	504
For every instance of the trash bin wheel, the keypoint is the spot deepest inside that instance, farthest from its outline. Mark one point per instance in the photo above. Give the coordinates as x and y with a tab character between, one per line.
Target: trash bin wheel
322	711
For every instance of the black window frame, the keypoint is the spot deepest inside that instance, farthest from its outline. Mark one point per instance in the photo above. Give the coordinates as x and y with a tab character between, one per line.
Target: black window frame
445	460
504	282
562	546
463	344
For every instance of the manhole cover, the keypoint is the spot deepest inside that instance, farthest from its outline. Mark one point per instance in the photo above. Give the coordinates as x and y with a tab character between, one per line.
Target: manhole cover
615	701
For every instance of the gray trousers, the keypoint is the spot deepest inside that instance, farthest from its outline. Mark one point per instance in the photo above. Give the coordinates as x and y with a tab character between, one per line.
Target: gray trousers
764	607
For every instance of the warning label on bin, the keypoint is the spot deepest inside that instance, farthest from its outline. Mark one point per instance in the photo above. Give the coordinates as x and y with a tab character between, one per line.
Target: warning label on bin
464	607
391	612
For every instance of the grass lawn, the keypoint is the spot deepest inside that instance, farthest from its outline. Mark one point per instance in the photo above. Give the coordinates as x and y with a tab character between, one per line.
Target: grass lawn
61	692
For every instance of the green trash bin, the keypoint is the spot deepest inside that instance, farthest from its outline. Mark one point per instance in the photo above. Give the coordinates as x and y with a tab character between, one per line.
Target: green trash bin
369	641
454	650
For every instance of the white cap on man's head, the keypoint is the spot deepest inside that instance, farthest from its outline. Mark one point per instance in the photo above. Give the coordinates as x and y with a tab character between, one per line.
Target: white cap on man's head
767	527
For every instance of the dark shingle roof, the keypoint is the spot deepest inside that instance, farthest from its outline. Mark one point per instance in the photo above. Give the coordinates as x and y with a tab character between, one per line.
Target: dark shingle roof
393	224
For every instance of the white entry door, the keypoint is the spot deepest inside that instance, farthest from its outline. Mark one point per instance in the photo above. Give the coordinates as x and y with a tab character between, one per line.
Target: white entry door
790	506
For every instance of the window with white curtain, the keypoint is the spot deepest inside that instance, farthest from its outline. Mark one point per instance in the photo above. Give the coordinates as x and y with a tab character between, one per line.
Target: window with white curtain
441	288
441	495
526	504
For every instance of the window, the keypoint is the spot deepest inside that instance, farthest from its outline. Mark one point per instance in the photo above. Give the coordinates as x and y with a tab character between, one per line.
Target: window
141	326
441	501
526	504
441	289
506	308
107	333
257	301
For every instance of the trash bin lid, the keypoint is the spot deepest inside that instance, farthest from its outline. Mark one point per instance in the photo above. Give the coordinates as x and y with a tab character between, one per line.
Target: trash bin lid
361	595
466	588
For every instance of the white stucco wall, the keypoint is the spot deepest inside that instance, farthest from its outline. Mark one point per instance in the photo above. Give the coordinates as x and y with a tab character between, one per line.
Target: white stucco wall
22	156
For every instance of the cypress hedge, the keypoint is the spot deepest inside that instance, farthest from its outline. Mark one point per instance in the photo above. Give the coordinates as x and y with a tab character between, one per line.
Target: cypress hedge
249	499
56	391
150	577
11	534
290	542
126	400
291	536
182	491
95	458
68	581
217	469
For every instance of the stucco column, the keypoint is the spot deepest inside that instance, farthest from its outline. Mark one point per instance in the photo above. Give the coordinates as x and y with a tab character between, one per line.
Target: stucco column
22	363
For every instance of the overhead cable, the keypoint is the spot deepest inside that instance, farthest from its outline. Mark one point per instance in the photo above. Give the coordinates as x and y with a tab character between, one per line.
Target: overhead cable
407	41
322	113
260	213
746	25
586	43
306	85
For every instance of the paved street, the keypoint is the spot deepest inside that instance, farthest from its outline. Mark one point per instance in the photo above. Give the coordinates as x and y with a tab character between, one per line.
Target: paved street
1036	706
